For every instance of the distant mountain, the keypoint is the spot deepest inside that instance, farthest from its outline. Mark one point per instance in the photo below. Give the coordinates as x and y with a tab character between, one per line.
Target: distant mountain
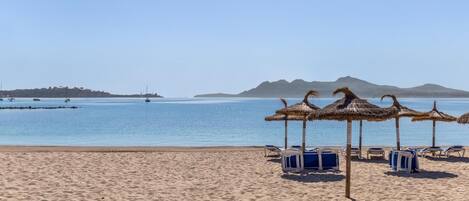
61	92
298	88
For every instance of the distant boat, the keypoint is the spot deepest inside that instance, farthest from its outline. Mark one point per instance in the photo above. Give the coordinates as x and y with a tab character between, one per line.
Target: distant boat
11	99
36	99
67	99
147	99
1	99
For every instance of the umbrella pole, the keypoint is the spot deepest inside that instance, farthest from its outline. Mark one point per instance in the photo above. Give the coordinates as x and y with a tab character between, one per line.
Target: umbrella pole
398	135
433	139
348	162
286	134
303	143
360	138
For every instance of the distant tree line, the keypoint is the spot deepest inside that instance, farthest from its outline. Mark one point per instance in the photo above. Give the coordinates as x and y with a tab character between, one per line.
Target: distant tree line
60	92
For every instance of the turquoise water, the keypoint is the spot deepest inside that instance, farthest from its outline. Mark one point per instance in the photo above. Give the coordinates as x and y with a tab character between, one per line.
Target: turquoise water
205	122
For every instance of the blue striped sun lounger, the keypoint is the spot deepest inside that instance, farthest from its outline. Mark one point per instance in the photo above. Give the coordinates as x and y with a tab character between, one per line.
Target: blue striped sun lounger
404	161
313	160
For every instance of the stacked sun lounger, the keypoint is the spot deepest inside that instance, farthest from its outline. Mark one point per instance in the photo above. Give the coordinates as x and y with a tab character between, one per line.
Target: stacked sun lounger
355	151
310	160
406	160
321	160
291	160
375	151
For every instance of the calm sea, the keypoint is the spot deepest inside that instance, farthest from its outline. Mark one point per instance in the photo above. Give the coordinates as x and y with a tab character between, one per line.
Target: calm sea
205	122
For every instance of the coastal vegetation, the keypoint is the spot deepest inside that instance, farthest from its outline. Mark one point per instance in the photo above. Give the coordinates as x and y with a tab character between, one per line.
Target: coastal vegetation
72	92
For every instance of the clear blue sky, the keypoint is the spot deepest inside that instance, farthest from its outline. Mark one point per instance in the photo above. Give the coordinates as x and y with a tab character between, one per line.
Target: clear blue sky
182	48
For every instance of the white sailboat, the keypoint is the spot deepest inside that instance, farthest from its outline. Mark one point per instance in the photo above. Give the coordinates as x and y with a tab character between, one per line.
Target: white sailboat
67	99
147	99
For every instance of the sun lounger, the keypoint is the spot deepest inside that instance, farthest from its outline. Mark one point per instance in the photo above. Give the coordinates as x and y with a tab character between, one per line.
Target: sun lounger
295	161
269	149
375	151
455	149
354	152
311	149
291	160
430	150
298	147
404	161
327	150
321	160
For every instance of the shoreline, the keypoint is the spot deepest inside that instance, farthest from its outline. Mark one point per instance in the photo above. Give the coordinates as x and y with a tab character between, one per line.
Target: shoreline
46	148
22	148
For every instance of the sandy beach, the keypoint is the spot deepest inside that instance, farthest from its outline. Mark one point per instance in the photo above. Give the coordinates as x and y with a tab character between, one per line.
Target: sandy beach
229	173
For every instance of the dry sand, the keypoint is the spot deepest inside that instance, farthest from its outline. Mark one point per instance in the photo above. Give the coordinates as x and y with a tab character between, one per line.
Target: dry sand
61	173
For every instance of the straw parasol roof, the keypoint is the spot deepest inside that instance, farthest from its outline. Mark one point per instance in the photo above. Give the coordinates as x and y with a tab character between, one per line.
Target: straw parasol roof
464	119
282	117
285	118
402	111
434	115
297	112
303	108
351	107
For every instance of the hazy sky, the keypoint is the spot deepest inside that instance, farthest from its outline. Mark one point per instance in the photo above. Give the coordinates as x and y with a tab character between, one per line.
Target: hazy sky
182	48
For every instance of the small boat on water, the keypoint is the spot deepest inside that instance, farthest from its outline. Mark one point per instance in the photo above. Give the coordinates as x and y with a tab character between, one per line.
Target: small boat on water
147	99
67	99
11	99
1	99
36	99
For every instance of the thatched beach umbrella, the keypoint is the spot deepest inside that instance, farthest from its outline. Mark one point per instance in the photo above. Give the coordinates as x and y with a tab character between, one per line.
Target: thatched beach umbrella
402	111
434	116
351	108
303	109
280	117
285	118
464	119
